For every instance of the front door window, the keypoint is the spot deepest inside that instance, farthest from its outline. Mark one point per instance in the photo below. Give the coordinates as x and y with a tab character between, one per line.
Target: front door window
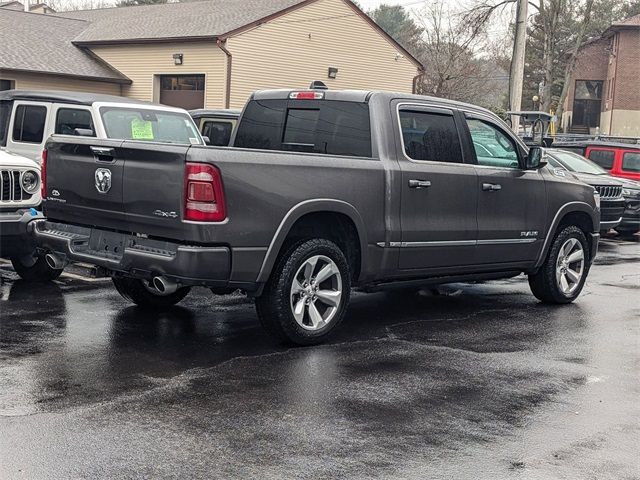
492	146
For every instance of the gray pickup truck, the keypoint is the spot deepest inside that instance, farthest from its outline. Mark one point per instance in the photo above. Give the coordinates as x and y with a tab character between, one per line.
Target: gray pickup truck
322	191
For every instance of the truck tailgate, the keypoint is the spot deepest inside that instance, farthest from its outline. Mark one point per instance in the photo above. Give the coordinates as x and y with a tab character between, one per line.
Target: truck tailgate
127	186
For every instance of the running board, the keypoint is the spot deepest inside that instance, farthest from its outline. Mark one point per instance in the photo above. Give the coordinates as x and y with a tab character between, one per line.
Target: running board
426	282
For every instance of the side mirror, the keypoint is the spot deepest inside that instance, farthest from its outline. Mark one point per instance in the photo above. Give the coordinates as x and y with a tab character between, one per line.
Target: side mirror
534	159
83	132
207	140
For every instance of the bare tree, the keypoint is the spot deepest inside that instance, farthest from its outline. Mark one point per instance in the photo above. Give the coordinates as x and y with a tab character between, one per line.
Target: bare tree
449	53
556	23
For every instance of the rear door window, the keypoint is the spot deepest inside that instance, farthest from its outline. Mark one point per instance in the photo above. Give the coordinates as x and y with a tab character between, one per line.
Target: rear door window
312	126
430	137
28	124
69	119
631	161
604	158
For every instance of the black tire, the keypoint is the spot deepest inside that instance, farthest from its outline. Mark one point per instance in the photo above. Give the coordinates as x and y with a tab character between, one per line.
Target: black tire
544	284
274	305
34	269
135	291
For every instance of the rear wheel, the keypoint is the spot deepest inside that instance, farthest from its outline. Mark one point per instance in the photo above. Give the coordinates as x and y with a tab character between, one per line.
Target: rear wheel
34	268
308	293
562	276
144	294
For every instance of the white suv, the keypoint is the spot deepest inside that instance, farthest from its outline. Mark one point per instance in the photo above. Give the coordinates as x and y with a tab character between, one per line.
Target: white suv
27	120
19	198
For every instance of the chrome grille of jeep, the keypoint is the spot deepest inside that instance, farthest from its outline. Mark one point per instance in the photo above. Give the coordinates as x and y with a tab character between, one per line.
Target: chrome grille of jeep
609	192
10	188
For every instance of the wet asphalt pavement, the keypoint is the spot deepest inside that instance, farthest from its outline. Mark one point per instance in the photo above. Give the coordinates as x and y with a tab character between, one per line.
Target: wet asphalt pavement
480	381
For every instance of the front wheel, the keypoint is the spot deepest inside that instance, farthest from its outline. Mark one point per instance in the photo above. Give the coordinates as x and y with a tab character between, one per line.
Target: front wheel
144	294
34	268
307	294
562	276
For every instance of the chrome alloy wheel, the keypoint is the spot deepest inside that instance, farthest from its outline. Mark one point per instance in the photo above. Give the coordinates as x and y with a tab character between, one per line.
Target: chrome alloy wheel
570	266
316	292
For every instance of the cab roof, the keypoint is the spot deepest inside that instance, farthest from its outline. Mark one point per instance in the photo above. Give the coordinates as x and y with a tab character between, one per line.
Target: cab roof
217	113
364	96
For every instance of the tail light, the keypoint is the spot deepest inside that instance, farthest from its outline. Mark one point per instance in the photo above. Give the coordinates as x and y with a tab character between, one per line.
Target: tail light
43	175
204	197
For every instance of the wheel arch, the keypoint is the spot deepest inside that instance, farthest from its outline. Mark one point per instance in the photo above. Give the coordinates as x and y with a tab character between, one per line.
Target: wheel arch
580	214
307	209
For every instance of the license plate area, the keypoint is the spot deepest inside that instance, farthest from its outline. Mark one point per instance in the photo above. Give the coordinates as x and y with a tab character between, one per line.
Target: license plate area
107	244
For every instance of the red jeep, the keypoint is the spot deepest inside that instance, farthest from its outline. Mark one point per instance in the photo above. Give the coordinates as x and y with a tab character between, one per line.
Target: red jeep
620	159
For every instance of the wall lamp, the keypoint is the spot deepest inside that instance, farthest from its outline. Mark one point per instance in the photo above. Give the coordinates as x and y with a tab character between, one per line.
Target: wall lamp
177	58
333	72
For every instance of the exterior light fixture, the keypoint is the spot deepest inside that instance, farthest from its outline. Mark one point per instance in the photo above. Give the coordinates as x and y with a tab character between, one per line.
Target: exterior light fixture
333	72
177	59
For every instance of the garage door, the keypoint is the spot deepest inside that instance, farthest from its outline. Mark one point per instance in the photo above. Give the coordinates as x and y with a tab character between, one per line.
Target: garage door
184	91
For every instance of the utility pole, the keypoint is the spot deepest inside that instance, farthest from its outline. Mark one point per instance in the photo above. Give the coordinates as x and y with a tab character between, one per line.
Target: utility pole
516	76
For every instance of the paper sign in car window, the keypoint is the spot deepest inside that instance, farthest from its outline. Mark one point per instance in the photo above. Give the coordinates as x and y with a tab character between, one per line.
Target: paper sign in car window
141	129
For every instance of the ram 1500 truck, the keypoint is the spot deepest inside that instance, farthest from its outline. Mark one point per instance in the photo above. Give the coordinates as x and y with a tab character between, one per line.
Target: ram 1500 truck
322	191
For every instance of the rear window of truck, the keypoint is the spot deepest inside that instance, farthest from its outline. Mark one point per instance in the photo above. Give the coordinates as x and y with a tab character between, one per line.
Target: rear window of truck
218	131
312	126
149	125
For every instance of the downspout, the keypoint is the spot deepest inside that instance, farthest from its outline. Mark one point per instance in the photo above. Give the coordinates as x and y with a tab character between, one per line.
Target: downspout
416	79
222	44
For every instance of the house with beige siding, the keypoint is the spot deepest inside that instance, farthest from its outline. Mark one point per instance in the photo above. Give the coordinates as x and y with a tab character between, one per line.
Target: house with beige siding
210	53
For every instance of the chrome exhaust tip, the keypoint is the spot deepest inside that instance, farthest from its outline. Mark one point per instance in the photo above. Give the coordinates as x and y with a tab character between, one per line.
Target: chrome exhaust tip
164	285
54	261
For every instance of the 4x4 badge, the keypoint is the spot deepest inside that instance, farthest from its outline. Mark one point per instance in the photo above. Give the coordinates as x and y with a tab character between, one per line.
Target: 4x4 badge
103	180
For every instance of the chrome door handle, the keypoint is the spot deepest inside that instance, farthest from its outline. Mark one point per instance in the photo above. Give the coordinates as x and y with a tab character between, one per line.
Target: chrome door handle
419	183
491	187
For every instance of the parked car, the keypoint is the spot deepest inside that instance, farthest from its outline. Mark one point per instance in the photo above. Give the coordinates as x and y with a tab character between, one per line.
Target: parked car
216	126
28	118
19	196
322	191
619	198
619	159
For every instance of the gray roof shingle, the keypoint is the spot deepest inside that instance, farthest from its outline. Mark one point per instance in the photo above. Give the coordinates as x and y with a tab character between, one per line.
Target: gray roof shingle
42	43
209	18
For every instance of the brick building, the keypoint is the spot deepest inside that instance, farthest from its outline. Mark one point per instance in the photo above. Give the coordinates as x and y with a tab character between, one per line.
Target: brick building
604	94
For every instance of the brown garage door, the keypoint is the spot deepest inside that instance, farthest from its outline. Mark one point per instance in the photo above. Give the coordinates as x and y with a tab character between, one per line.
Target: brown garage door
184	91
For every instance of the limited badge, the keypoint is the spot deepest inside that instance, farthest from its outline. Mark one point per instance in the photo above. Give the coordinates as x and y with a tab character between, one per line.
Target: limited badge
103	180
